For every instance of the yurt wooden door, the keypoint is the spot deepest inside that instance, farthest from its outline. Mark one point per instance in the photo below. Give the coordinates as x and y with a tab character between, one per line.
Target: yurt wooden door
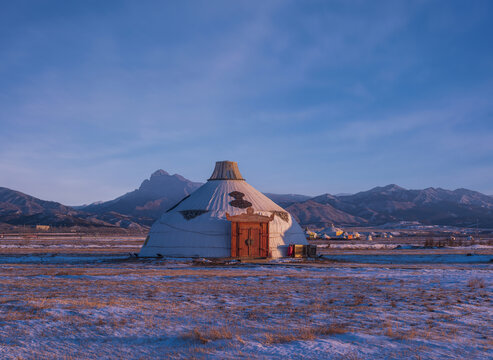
249	234
249	239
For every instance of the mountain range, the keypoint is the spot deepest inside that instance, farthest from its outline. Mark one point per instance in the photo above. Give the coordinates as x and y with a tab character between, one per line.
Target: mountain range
392	203
17	208
138	209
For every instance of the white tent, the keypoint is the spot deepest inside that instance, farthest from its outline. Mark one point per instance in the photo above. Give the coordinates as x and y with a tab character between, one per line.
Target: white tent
198	225
310	234
332	231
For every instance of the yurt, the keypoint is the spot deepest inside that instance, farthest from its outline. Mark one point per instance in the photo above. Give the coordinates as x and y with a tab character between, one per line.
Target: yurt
225	217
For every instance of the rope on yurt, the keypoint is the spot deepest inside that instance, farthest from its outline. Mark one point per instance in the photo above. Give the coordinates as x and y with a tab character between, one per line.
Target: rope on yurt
272	234
189	231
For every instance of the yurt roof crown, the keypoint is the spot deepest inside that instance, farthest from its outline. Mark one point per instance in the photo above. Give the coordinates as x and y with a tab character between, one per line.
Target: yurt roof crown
226	170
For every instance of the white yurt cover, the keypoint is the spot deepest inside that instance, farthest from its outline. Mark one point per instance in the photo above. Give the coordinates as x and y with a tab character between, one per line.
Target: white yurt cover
197	226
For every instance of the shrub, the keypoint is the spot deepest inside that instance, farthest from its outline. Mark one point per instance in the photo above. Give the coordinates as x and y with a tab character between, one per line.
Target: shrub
476	283
205	336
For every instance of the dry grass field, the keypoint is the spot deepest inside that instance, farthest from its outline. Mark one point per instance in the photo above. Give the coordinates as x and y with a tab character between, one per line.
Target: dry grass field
43	243
106	305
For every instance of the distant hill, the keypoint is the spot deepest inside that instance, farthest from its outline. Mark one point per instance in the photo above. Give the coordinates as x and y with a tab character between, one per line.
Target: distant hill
321	215
17	208
154	196
14	202
436	206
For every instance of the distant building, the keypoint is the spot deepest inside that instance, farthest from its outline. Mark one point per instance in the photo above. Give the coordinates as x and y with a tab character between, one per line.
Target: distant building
43	227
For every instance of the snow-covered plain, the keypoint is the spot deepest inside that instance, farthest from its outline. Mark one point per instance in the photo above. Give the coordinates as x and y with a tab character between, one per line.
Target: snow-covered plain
113	307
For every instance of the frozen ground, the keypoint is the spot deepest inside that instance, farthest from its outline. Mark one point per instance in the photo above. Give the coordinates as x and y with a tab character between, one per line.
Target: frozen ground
107	306
468	258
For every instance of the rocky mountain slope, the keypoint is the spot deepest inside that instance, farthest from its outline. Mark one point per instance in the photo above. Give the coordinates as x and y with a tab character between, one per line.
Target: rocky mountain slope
14	202
321	215
437	206
17	208
154	196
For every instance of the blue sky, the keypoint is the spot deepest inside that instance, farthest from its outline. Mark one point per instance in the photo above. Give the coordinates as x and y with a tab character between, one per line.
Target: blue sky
308	96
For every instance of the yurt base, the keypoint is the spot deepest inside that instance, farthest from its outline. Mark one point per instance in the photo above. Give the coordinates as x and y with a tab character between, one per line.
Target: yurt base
308	252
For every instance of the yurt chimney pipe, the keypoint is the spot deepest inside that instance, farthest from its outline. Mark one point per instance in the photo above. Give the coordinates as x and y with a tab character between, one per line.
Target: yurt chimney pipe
226	170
